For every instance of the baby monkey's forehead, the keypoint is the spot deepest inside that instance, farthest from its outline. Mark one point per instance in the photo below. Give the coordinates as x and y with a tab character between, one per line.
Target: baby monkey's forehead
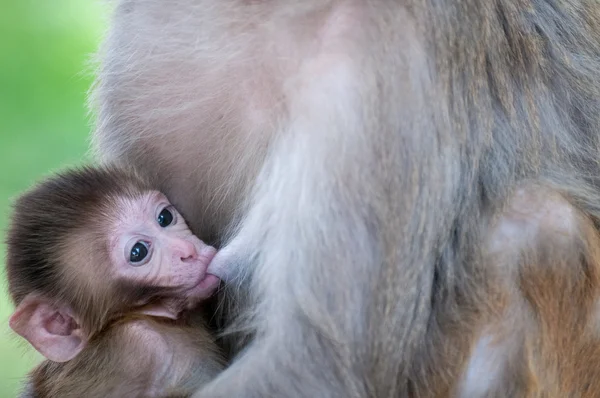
132	214
138	208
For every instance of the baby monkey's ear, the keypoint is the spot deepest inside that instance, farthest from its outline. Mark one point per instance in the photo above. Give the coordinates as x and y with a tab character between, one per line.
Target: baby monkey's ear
51	329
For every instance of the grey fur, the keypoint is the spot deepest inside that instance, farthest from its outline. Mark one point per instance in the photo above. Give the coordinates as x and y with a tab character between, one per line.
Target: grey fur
361	147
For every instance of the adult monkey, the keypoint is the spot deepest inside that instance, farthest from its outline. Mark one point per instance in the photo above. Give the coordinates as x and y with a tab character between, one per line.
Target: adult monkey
363	147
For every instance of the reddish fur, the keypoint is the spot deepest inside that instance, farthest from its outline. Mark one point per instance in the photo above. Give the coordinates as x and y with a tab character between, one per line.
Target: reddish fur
543	313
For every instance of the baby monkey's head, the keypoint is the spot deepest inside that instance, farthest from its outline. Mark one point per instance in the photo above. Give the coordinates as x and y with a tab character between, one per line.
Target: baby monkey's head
91	244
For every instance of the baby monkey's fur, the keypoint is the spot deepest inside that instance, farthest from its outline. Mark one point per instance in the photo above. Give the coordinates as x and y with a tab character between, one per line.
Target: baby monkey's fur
137	356
59	257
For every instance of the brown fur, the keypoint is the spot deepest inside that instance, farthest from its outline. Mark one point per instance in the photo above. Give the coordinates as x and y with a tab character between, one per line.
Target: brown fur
352	156
137	356
55	212
539	335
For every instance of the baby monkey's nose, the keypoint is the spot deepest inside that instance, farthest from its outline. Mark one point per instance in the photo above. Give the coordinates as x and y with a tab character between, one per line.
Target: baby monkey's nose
185	250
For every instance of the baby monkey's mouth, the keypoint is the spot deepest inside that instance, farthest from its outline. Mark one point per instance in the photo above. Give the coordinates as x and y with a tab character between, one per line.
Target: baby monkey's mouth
207	283
174	301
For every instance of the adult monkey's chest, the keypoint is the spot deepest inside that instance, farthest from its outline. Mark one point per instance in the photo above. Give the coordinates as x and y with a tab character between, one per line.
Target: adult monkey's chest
197	110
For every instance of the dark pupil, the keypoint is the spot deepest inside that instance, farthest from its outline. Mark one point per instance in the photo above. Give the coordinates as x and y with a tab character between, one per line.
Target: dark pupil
165	218
139	251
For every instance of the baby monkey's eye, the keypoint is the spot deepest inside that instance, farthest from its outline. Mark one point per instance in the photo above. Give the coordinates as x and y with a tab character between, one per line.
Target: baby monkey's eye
138	253
165	218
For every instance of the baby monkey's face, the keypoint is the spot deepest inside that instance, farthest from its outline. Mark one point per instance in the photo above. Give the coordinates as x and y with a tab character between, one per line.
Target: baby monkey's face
151	244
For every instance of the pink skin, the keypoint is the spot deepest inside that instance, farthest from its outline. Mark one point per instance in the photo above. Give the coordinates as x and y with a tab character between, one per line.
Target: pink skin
221	263
176	257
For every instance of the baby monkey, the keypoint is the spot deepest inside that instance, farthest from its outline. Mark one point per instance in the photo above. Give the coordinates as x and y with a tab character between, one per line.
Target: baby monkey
103	270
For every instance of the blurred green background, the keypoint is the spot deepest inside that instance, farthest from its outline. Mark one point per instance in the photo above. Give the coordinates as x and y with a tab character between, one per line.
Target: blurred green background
45	72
